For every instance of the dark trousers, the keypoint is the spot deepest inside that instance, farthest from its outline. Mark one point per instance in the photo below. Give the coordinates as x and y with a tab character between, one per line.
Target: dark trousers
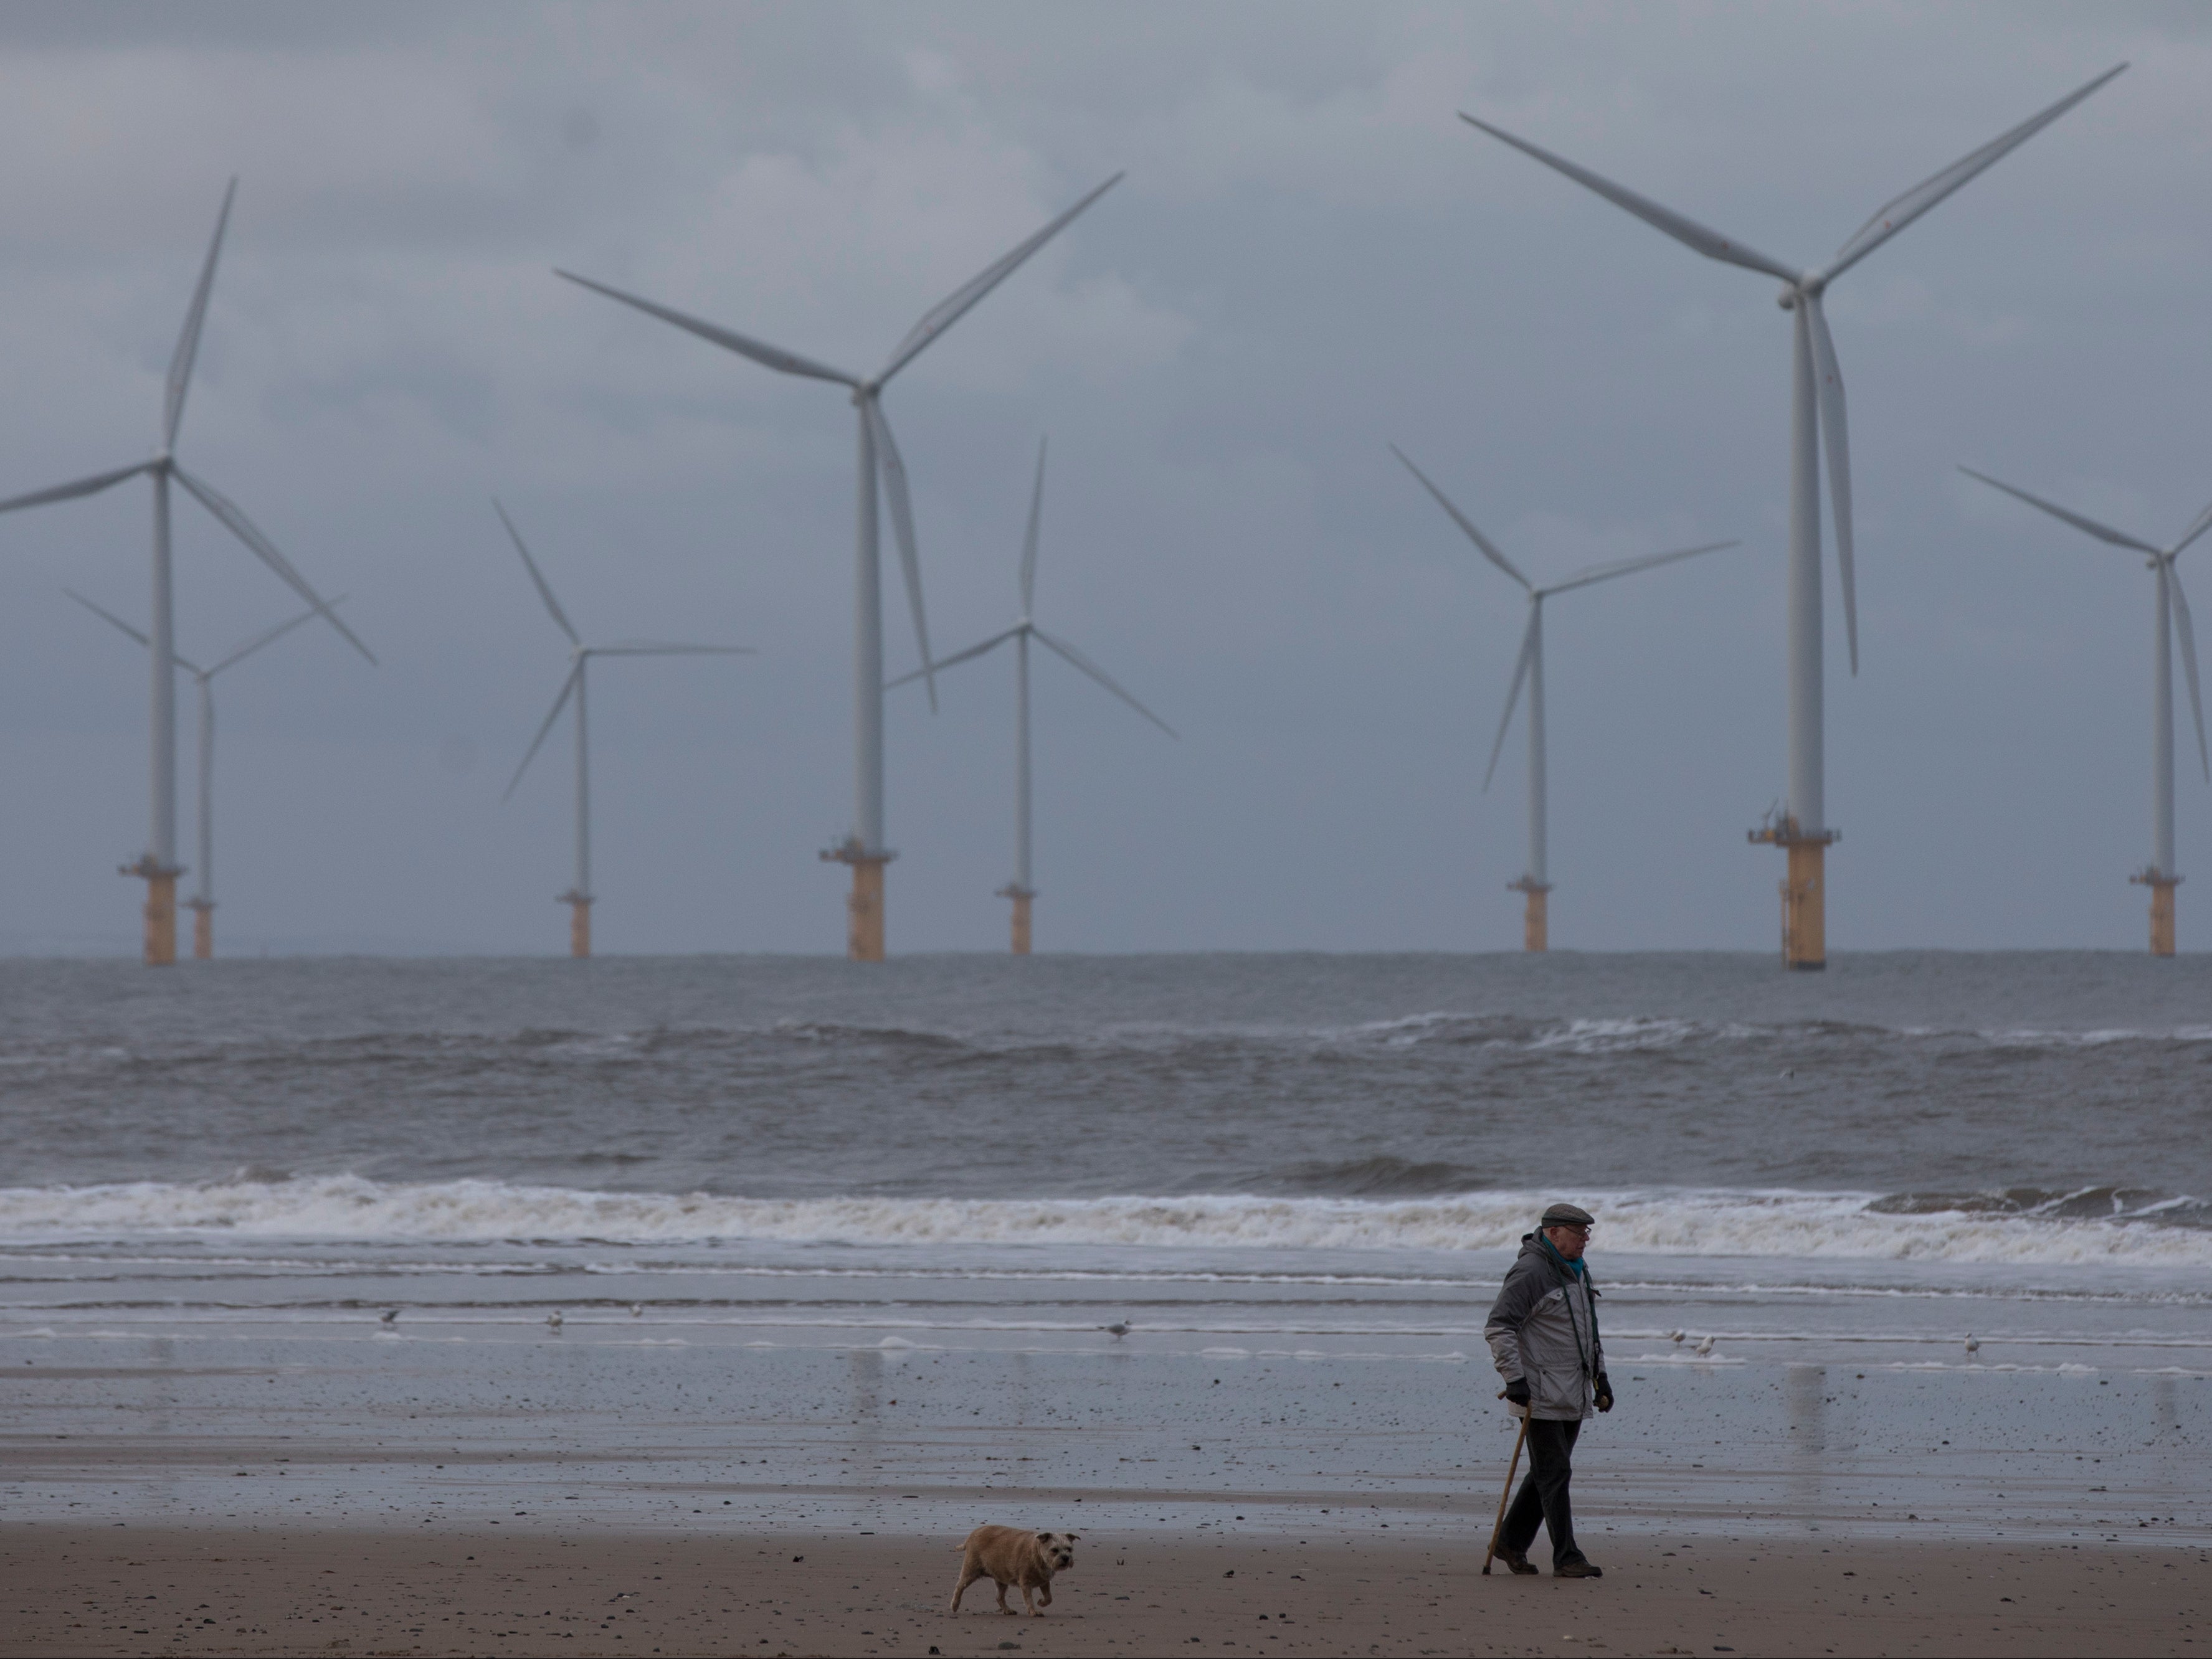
1543	1494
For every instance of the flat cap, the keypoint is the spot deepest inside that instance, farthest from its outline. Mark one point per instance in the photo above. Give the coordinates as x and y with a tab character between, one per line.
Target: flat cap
1567	1216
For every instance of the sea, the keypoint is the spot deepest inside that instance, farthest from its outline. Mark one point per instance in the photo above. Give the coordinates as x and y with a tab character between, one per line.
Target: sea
1966	1192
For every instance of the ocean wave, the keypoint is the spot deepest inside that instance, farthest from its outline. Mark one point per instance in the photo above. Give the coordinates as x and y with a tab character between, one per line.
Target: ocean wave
1595	1034
2092	1203
1770	1224
1437	1033
1369	1177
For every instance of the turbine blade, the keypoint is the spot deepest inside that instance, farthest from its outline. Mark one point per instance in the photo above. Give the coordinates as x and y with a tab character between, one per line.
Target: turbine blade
992	644
1513	695
1835	433
774	357
265	550
268	636
1489	551
1029	538
568	686
2102	532
544	589
2186	629
2197	526
188	342
1582	578
109	617
1894	215
955	305
91	485
177	658
668	648
894	472
1079	661
1686	231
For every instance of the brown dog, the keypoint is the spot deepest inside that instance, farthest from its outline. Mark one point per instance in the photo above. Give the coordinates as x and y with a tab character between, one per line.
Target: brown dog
1007	1555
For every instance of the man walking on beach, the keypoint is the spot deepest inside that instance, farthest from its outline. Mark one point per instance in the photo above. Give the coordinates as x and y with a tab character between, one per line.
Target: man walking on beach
1542	1332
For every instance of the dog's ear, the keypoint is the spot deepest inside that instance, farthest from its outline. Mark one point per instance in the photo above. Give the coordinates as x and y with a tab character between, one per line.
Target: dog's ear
1074	1537
1044	1538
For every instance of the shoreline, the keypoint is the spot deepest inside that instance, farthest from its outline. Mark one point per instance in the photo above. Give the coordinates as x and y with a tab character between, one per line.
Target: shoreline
275	1589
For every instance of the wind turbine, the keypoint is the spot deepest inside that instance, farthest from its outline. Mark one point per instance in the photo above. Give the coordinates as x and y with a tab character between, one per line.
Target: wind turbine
578	898
2172	619
1536	881
202	903
863	849
1021	633
1816	414
158	864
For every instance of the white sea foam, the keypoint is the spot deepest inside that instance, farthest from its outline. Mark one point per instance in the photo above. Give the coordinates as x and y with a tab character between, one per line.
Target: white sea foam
1790	1225
1618	1036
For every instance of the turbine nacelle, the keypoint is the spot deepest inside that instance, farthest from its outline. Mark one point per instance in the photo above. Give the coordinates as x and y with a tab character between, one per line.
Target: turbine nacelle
1811	285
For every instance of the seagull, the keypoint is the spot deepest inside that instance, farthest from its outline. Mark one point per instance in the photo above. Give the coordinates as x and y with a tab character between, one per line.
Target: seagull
1973	1343
1118	1329
1676	1336
637	1310
554	1319
389	1317
1704	1345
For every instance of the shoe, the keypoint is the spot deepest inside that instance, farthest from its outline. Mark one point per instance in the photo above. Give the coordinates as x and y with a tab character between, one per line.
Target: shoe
1576	1568
1516	1561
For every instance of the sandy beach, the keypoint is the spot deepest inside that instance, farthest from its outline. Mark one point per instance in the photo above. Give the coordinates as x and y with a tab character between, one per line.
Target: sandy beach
134	1590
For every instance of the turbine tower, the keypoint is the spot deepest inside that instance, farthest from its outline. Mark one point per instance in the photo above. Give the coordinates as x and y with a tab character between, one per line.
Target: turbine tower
1021	633
2172	620
578	898
158	865
1536	881
863	848
1816	417
202	903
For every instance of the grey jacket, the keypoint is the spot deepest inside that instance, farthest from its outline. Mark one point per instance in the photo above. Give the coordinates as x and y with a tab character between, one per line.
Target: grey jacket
1544	1327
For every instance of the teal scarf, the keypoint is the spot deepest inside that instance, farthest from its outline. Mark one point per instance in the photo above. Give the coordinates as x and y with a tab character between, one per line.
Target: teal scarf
1576	1269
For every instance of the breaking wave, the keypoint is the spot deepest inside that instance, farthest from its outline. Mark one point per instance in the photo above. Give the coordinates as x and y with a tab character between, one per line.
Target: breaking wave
2099	1225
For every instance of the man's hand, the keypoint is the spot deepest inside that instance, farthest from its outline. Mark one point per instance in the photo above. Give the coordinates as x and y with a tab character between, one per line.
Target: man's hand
1604	1393
1516	1391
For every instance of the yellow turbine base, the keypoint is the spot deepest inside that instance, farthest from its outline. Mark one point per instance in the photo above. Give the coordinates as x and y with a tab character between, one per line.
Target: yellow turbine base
203	932
1022	901
1805	906
2161	910
864	911
579	927
161	920
1535	921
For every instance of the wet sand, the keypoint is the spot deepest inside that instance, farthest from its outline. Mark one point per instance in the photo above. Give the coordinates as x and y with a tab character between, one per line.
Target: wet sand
787	1400
131	1588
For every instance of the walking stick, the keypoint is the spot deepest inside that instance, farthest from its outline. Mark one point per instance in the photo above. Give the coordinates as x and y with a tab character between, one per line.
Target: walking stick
1511	1469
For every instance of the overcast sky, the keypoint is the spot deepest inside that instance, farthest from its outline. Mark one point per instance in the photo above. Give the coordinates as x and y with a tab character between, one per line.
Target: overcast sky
1311	257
